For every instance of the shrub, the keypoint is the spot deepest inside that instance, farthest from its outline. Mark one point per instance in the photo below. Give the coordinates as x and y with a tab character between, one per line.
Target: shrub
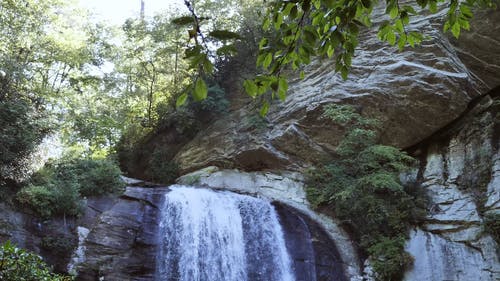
57	188
362	188
41	199
390	258
97	176
17	264
161	169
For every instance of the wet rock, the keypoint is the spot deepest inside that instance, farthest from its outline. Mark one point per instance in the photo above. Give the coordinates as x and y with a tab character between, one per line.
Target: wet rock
121	244
460	178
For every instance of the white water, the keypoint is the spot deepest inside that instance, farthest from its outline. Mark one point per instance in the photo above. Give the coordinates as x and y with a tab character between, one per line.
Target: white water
220	236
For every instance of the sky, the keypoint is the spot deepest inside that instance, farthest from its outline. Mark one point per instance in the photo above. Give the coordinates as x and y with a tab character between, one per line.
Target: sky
117	11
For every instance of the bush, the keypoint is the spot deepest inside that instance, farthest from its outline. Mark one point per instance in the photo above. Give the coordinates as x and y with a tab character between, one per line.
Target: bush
362	188
96	176
57	189
41	199
17	264
161	169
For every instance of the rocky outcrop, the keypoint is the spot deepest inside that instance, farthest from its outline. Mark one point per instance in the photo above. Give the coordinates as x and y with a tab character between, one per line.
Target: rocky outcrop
413	93
121	244
114	239
460	176
53	239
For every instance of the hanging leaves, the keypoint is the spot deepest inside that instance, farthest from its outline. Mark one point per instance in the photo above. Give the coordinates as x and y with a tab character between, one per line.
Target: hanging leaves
184	20
224	35
181	100
200	90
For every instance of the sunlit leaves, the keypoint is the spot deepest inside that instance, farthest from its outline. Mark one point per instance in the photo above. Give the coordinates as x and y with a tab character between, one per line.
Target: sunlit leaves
200	90
203	46
224	35
282	88
181	100
251	88
264	109
184	20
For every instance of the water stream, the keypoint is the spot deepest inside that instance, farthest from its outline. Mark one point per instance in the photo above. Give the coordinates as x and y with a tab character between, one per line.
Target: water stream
220	236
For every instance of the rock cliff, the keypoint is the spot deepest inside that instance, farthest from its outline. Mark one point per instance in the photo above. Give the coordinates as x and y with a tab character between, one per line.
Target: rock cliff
413	93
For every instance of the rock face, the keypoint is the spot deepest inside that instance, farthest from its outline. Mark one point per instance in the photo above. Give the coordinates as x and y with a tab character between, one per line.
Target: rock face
413	93
314	255
121	244
53	239
461	178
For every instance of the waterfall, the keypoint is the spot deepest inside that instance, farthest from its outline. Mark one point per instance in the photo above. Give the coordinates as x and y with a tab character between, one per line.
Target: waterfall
220	236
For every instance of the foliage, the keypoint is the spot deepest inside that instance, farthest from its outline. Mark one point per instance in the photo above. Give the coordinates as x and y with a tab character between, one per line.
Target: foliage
22	128
391	258
362	188
96	176
161	168
327	28
303	29
58	188
17	264
209	37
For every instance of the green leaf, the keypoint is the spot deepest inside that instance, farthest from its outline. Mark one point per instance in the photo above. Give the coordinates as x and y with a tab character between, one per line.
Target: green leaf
251	88
263	43
401	42
330	50
266	24
208	66
200	90
391	37
344	72
302	74
264	109
282	88
288	7
393	13
185	20
433	6
455	29
267	60
465	10
181	100
227	50
224	35
399	25
278	21
446	26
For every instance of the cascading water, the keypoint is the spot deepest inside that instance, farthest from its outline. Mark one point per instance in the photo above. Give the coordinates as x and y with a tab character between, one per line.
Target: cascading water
220	236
